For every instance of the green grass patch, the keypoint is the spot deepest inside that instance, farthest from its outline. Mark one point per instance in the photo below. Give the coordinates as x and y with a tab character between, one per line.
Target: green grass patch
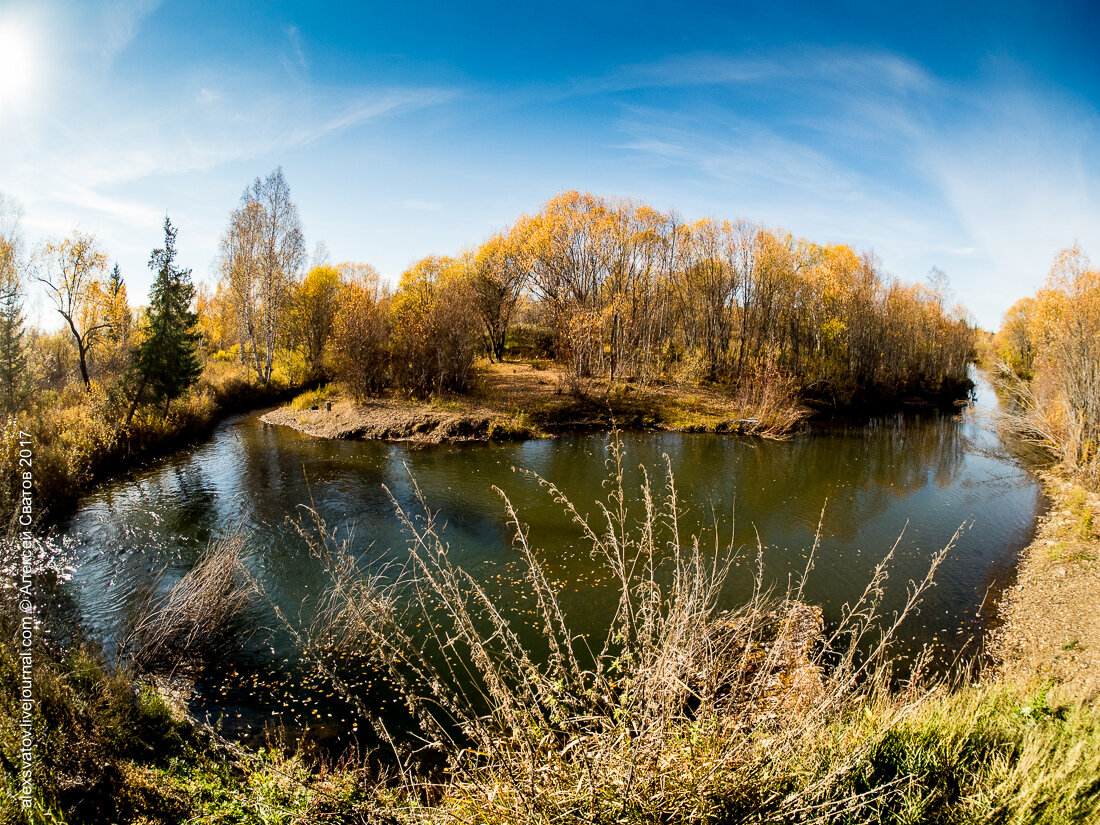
313	398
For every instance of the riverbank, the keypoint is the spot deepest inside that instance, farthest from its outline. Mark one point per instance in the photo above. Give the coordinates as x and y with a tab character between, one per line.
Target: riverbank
1051	629
530	399
515	400
77	438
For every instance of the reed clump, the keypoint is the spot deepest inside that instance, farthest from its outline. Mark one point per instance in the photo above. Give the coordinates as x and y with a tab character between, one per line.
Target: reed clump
195	621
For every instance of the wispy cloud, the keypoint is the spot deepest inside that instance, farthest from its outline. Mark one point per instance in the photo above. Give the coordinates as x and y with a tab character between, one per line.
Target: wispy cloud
213	130
119	209
873	149
1020	175
295	62
118	23
888	72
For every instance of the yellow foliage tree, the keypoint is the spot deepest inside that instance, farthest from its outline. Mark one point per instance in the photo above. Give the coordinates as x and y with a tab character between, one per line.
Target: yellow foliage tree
313	307
1064	325
360	336
73	274
435	326
1015	342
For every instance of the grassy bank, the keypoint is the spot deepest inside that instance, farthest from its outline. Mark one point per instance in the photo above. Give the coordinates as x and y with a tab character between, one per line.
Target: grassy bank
524	399
114	751
78	437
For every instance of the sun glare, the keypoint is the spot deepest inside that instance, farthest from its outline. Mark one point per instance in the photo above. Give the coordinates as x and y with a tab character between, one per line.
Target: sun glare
15	64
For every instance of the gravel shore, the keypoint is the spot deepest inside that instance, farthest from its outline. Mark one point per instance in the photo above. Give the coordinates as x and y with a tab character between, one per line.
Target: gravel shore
1051	615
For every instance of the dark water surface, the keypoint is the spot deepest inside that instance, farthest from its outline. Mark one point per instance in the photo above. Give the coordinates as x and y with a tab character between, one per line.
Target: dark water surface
924	475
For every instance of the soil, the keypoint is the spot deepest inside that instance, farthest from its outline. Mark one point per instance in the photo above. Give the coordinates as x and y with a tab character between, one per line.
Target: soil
515	400
1051	629
392	420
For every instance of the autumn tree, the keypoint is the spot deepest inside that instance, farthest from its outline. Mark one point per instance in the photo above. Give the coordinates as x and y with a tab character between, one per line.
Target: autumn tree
117	337
166	362
1015	342
600	264
217	321
117	308
261	253
709	263
312	312
1067	362
567	242
362	275
361	334
240	277
72	272
436	332
500	273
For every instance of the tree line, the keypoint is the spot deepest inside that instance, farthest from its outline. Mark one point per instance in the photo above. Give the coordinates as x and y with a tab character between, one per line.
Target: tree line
611	289
1048	352
617	291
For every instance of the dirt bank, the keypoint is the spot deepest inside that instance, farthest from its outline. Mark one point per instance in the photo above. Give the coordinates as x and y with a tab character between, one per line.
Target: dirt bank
395	420
521	400
1051	615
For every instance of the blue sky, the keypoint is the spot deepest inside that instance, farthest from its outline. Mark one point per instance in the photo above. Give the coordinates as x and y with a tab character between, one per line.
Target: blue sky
958	135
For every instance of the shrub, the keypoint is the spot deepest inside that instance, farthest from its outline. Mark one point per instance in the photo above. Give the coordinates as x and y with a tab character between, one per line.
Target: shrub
360	341
436	333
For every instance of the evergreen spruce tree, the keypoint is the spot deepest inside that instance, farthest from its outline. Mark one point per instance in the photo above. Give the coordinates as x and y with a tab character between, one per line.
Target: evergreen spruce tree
166	362
118	308
13	355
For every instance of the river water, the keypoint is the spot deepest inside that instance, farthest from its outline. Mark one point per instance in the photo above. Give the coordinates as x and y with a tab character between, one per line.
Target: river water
921	477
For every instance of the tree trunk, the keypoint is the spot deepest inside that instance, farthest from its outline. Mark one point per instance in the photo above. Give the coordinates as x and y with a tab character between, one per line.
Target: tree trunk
82	353
137	400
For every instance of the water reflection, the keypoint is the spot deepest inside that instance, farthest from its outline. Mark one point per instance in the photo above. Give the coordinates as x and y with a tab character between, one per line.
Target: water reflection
925	476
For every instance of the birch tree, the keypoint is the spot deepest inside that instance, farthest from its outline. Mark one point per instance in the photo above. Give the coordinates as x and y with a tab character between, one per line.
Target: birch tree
262	253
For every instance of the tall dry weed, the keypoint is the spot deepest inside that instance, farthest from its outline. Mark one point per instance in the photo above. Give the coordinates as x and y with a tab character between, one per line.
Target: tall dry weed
195	620
677	710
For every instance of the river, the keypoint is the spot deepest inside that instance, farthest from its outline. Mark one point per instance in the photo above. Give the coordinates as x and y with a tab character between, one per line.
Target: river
918	476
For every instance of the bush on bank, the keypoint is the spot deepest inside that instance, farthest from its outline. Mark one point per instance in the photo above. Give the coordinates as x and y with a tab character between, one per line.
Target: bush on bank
78	437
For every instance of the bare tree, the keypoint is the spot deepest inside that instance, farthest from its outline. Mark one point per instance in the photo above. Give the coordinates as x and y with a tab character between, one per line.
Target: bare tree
240	276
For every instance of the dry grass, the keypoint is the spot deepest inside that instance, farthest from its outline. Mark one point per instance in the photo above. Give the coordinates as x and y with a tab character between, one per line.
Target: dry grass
194	621
676	711
1043	422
